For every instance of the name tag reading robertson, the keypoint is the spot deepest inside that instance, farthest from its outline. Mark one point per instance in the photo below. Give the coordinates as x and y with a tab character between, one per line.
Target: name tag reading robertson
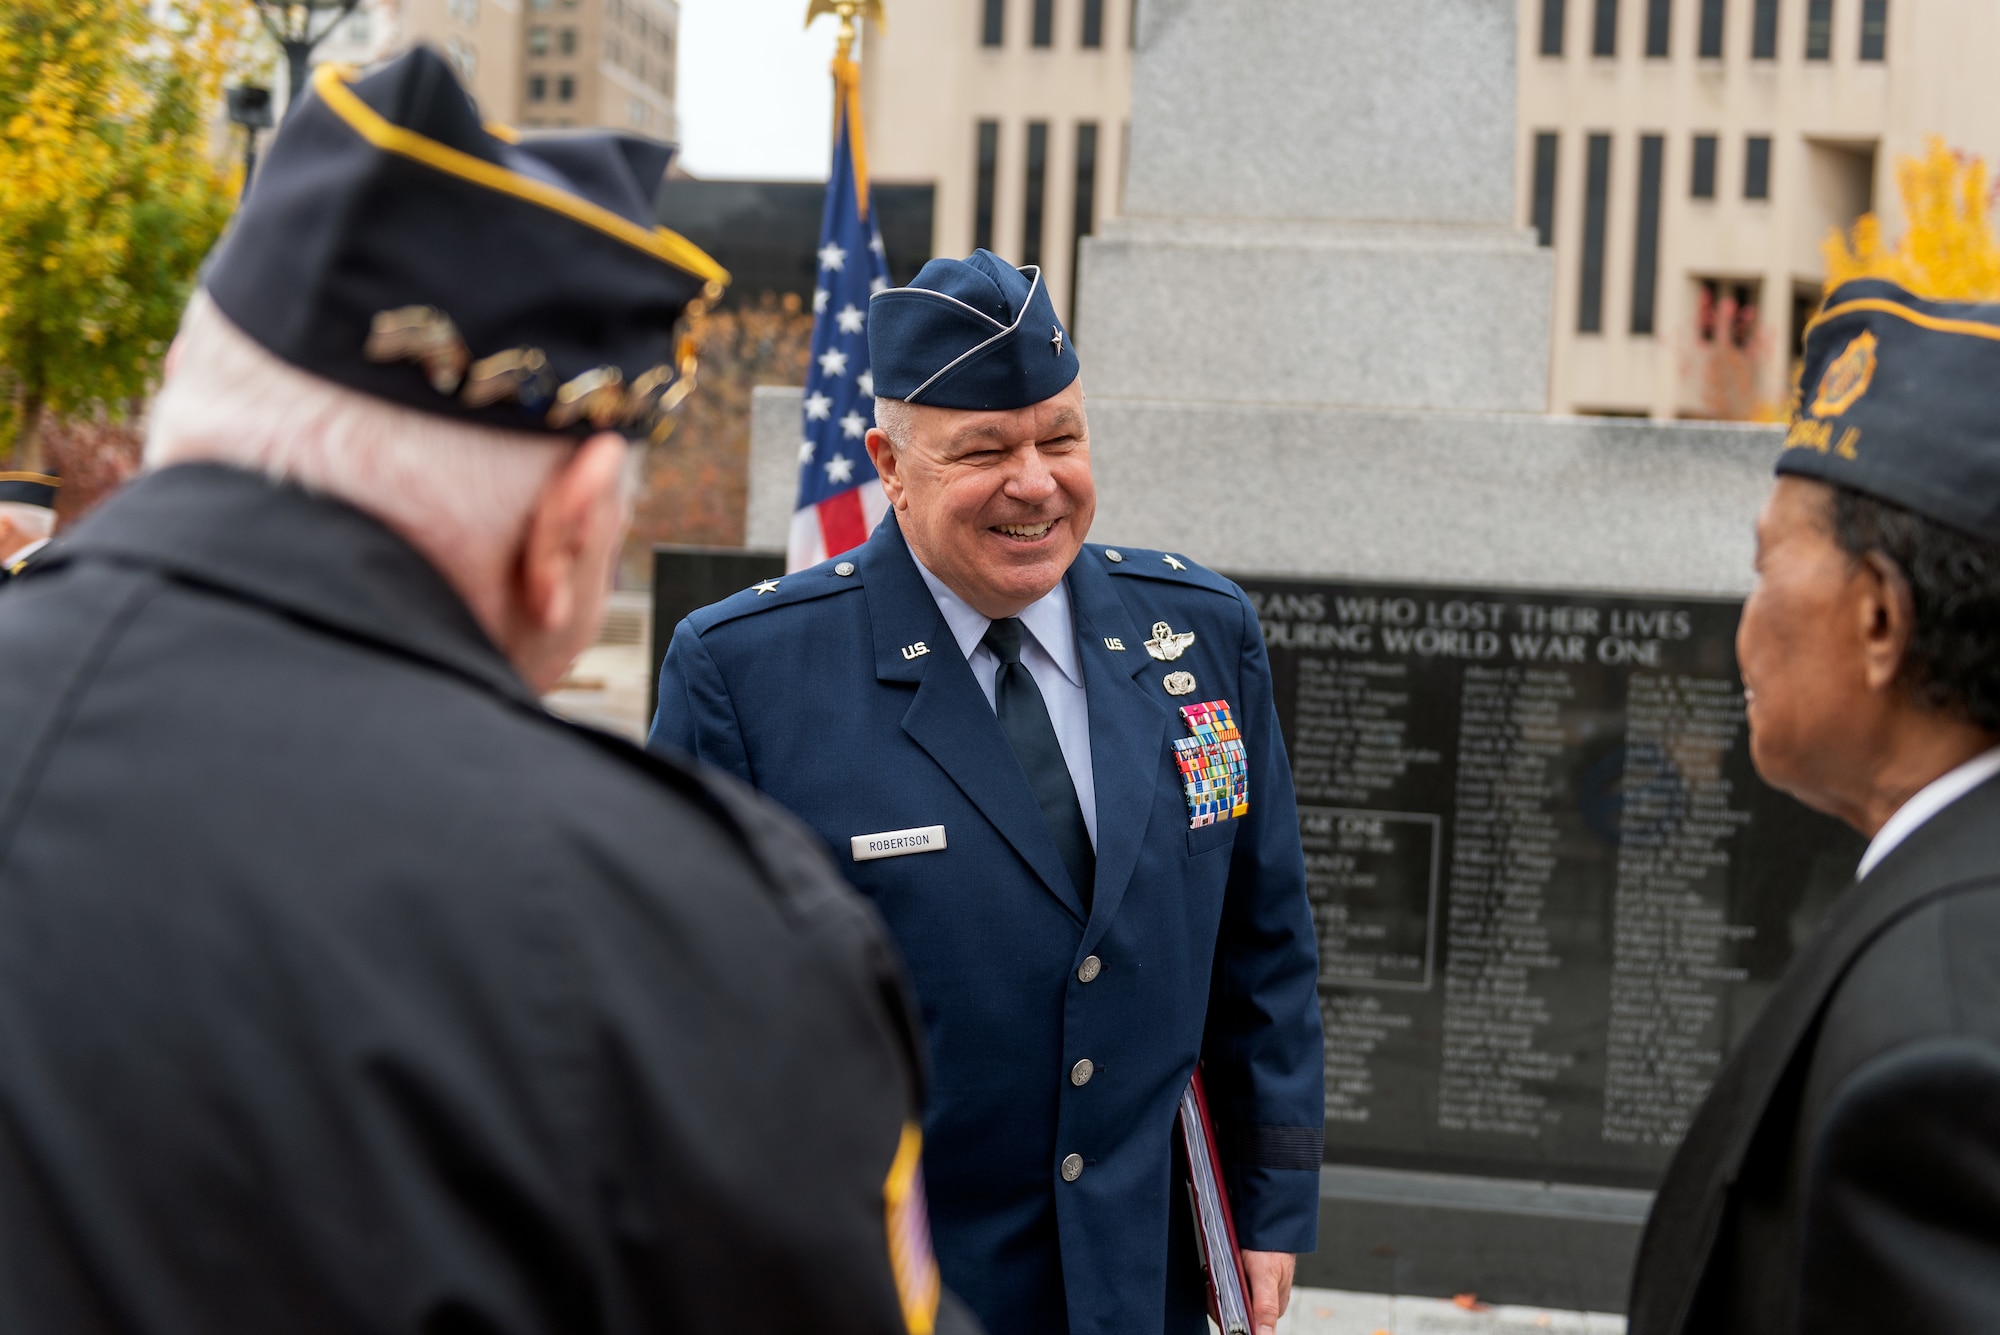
898	843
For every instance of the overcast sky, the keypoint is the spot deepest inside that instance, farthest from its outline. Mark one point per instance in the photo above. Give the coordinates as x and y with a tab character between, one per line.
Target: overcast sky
755	97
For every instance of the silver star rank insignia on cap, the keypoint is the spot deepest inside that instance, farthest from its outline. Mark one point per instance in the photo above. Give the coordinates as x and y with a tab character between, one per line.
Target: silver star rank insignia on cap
1168	644
1058	340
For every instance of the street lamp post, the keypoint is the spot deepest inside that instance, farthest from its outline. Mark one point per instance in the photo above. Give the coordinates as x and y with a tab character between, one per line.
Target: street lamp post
298	26
250	107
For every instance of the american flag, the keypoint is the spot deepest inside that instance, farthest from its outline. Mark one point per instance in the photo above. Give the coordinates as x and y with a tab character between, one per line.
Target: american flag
840	496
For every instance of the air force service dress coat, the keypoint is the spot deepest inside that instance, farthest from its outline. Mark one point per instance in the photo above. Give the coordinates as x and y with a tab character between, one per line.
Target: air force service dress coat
1844	1176
1061	1039
343	989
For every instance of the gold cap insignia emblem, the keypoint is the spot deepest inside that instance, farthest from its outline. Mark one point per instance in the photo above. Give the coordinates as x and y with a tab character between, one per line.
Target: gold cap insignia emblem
1846	379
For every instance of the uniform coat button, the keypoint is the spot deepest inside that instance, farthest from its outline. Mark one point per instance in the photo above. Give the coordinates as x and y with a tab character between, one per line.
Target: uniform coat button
844	568
1091	967
1079	1074
1113	556
1072	1167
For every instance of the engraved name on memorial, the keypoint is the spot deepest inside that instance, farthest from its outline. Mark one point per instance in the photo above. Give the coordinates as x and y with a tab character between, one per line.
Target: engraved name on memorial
1550	890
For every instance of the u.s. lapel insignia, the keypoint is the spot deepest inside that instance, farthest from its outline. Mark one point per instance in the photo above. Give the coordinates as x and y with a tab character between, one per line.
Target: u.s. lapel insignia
1168	644
1178	683
1114	644
1215	770
912	652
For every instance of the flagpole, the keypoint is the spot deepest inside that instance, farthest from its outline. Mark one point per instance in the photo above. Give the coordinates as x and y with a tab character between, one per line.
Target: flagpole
840	497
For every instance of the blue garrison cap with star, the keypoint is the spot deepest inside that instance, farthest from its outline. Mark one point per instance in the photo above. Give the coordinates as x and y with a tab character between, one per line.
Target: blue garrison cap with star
976	334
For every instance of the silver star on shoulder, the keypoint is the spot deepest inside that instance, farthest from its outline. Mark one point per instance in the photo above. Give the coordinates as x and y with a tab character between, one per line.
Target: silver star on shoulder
768	586
1058	340
1175	563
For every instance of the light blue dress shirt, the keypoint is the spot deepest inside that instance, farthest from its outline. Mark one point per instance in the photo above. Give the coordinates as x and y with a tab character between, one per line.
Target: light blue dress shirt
1048	651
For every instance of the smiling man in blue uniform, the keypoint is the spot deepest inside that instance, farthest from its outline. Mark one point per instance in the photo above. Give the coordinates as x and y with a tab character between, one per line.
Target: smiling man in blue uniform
1056	769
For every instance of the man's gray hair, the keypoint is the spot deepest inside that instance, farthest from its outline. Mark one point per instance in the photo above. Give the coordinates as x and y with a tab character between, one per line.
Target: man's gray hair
464	489
897	420
37	521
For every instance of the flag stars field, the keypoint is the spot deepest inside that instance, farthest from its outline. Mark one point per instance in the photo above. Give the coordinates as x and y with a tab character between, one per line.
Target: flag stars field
840	468
819	408
850	319
832	257
833	362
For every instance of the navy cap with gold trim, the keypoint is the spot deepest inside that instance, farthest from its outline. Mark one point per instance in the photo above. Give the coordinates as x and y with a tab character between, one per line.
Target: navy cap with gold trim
30	489
1897	400
396	245
976	333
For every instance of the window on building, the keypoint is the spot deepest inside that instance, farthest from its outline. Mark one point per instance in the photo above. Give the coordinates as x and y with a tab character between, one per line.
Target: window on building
1874	29
1659	27
1036	194
1084	215
538	88
1726	312
566	89
1604	32
566	41
1546	143
1703	185
1646	241
988	160
1093	24
1596	201
993	29
538	41
635	111
1757	167
1764	30
1713	12
1819	29
1552	27
1045	23
464	57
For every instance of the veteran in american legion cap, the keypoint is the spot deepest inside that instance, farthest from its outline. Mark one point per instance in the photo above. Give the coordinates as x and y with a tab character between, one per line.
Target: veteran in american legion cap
1055	767
342	987
1844	1174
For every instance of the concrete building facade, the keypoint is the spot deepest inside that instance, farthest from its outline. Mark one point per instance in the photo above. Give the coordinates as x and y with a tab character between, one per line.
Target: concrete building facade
1017	111
537	64
1684	159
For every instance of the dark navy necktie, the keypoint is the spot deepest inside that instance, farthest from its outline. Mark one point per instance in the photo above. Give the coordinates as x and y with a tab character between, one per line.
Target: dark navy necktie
1024	717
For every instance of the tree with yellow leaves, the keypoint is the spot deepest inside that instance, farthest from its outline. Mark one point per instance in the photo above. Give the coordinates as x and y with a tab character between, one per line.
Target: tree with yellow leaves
1948	251
109	194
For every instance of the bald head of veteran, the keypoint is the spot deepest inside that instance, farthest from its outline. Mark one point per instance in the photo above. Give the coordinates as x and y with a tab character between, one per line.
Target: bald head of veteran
1870	647
995	500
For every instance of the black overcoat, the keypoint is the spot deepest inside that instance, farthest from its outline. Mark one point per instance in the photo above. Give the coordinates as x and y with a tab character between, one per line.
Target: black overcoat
1844	1176
344	989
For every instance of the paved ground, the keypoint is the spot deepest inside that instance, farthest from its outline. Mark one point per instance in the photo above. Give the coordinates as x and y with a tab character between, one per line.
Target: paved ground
1332	1312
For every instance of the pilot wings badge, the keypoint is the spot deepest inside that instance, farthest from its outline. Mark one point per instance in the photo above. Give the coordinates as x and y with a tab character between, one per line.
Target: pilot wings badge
1168	644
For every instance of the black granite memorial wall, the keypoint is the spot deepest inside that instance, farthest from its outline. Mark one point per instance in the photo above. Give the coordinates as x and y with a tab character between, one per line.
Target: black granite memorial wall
1551	891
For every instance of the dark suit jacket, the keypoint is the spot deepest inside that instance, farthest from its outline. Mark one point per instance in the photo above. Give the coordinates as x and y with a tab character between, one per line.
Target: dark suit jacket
816	693
1844	1175
345	990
